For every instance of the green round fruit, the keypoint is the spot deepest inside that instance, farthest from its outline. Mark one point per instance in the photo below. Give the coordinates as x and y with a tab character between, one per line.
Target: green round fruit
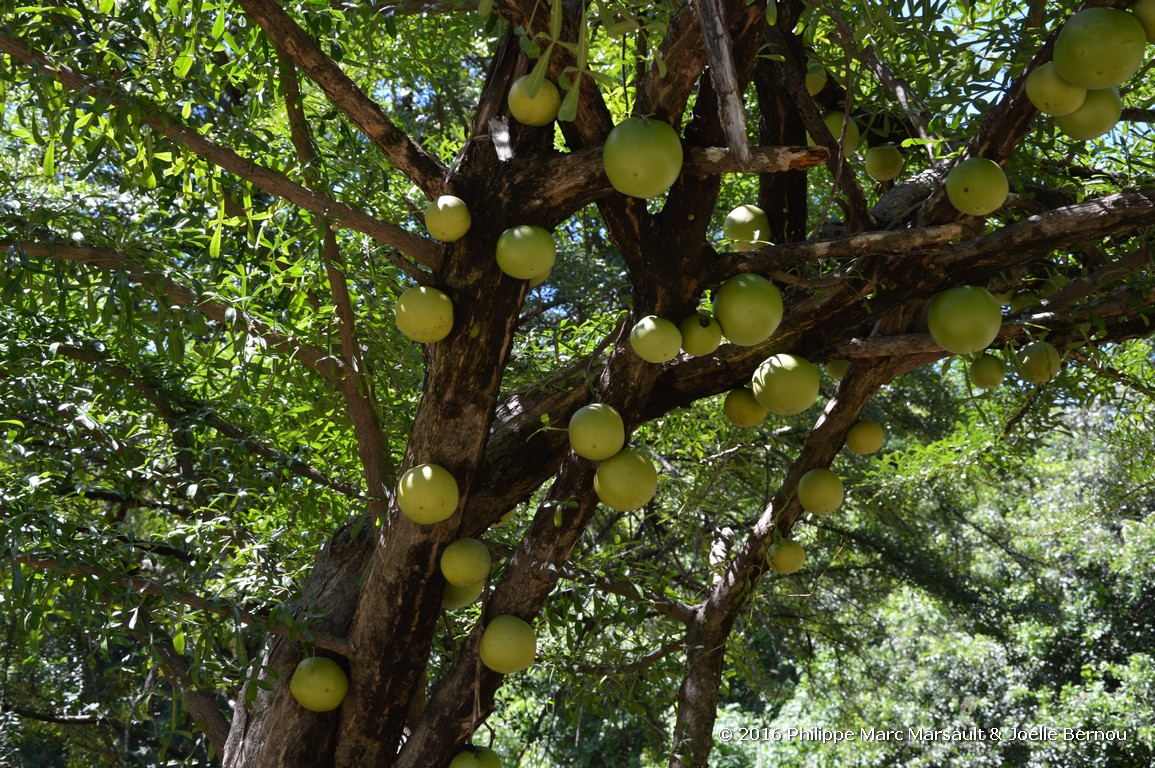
851	138
642	157
508	645
837	369
465	562
1051	94
626	481
1144	10
749	309
526	252
884	162
786	556
596	432
820	491
965	319
785	384
447	218
655	339
427	494
988	371
747	228
742	409
540	108
701	334
1039	362
815	78
865	437
424	314
455	598
1096	117
1100	48
476	757
319	684
977	186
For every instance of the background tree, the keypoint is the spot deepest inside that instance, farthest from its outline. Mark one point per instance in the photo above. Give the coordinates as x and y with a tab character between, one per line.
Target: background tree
211	209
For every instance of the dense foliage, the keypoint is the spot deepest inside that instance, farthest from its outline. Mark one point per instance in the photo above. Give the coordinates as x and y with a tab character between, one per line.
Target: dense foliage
208	211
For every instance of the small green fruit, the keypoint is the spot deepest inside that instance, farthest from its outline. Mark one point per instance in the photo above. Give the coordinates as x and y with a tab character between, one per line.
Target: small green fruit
865	437
747	228
537	110
508	645
1097	115
1144	10
988	371
749	309
742	409
820	491
1039	362
1051	94
884	162
815	78
655	339
626	481
319	684
427	494
851	138
466	562
447	218
701	334
526	252
455	598
596	432
786	556
476	757
1100	48
977	186
965	319
785	384
837	369
642	157
424	314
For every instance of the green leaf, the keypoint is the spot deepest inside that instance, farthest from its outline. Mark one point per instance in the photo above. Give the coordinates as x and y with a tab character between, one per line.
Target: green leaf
569	105
50	158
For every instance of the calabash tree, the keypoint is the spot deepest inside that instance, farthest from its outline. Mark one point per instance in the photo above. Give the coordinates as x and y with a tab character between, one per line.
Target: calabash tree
212	208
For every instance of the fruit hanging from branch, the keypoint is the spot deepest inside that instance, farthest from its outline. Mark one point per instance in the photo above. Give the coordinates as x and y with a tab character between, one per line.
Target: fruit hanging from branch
424	314
965	319
427	494
977	186
508	645
786	384
642	157
319	684
447	218
596	432
526	252
749	309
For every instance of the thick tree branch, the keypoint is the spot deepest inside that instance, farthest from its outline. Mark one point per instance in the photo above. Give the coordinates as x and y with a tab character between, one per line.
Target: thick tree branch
289	38
578	178
711	15
422	250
